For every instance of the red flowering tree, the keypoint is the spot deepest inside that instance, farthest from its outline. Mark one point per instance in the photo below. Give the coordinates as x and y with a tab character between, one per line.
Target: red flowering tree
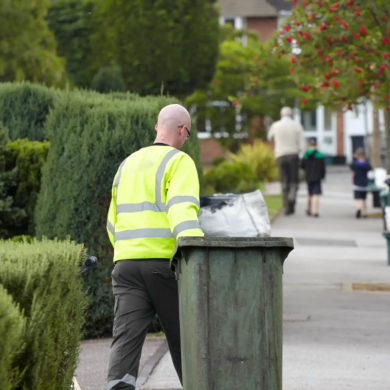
340	52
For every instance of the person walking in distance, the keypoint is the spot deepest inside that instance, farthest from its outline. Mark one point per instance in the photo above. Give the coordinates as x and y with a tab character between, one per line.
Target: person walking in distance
360	167
155	200
313	163
289	142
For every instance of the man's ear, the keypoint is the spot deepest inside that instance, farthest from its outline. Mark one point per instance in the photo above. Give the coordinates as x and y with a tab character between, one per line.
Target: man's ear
156	127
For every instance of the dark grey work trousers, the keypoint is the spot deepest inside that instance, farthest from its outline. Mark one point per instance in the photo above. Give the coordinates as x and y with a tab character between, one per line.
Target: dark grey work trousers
288	171
141	289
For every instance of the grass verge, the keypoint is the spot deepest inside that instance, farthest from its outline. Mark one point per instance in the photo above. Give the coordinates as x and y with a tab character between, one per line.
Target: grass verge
274	204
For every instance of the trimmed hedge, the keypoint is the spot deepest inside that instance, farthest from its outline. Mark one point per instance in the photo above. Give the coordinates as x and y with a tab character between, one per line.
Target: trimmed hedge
43	278
90	134
11	326
24	108
10	215
28	157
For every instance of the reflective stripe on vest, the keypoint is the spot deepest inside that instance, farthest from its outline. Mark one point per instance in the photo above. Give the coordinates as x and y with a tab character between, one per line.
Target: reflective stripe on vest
185	226
110	228
143	233
160	175
181	199
116	183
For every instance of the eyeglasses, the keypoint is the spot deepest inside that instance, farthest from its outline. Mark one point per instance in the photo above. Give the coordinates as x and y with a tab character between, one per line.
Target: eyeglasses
188	131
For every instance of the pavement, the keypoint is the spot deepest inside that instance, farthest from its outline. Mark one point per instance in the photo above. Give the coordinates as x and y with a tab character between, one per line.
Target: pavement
336	314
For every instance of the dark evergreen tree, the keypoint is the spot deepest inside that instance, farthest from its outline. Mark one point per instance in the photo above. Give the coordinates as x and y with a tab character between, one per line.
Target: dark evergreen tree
71	22
108	79
9	214
163	45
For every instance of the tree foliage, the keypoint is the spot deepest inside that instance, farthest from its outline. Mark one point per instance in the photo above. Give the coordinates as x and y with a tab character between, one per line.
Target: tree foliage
346	47
159	45
249	80
71	22
27	47
108	79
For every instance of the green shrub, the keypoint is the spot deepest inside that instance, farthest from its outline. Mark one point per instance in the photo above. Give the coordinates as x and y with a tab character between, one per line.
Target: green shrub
230	176
10	215
108	79
28	157
43	278
24	107
260	157
90	135
11	327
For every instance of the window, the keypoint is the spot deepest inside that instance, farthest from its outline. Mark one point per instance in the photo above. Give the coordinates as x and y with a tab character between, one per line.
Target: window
309	120
327	119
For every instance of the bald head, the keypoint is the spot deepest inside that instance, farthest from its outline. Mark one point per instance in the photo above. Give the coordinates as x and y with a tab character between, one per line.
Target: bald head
286	111
172	115
171	125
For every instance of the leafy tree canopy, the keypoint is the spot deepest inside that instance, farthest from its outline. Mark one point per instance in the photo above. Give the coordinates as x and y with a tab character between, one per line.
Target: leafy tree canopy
27	47
159	45
339	50
249	80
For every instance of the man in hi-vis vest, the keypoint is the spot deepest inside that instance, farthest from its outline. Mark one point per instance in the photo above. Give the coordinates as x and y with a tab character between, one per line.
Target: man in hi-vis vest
155	200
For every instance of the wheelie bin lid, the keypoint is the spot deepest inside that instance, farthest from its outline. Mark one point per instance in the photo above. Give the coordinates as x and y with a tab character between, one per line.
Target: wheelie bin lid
230	242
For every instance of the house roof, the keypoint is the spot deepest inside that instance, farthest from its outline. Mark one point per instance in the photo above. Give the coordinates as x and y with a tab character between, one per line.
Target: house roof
252	8
281	5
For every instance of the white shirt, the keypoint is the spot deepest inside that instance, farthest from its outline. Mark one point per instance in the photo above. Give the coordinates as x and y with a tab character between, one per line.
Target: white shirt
288	137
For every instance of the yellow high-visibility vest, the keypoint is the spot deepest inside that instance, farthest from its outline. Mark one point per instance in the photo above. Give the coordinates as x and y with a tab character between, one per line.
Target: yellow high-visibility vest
155	200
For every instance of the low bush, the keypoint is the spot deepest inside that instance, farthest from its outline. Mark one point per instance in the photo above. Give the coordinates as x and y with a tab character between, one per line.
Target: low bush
43	279
11	327
260	157
231	176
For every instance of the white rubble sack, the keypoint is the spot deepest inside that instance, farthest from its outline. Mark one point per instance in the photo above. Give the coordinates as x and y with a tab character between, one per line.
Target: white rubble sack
244	215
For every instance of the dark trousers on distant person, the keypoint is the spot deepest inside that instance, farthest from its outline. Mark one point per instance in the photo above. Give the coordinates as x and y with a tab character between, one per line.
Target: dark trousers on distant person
141	289
288	172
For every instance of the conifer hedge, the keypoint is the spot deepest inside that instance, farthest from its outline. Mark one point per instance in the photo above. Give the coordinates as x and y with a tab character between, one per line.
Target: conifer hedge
24	107
43	279
28	158
90	134
11	326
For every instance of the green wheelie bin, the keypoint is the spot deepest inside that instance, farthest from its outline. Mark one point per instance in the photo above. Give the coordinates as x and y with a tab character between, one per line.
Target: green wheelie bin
230	299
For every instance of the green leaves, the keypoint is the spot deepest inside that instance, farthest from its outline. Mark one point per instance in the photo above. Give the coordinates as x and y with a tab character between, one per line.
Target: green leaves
157	44
250	80
27	47
346	46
